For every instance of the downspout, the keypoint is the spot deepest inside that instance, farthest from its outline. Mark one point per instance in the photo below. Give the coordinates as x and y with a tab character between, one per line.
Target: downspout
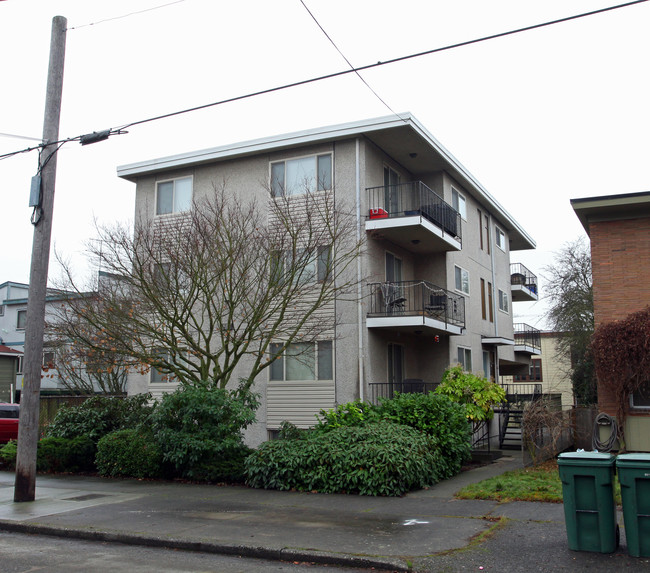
359	293
494	306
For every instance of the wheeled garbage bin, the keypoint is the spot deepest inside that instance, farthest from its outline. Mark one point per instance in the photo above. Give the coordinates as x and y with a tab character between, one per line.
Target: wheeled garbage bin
589	506
634	476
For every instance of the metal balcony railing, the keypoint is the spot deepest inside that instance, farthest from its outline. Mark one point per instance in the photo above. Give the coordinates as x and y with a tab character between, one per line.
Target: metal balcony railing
416	298
414	198
526	335
520	275
387	390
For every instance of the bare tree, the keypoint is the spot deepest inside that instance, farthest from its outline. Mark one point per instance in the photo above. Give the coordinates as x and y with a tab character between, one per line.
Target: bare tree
569	287
190	295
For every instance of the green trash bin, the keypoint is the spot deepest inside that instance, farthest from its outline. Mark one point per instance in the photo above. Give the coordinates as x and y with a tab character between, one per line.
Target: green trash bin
634	477
589	506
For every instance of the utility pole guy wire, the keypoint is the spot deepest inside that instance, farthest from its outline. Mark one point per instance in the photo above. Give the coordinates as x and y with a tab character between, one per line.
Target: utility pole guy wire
25	484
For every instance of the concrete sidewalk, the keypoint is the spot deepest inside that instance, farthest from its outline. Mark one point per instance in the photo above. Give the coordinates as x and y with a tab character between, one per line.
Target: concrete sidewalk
427	530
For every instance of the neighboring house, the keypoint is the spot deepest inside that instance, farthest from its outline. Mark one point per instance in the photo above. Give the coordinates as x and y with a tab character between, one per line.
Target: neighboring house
619	230
13	319
551	370
437	278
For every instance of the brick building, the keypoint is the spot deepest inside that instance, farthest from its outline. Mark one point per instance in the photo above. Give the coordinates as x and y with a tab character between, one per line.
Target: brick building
619	230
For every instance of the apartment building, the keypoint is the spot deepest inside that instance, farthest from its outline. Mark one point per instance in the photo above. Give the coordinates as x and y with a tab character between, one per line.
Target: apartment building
619	230
436	278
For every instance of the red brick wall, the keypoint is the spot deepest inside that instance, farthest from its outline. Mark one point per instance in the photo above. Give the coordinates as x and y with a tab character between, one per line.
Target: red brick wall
620	258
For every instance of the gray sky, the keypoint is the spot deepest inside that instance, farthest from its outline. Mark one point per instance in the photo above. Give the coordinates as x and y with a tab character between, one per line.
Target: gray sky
538	118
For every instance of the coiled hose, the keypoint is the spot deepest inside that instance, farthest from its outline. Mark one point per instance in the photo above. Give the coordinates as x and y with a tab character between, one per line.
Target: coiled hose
604	420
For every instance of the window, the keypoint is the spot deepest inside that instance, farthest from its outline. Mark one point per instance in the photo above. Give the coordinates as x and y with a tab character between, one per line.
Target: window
500	239
487	365
490	302
395	363
641	398
20	365
21	319
504	304
458	202
304	174
393	268
391	190
486	225
307	268
156	376
465	358
49	359
302	361
324	264
534	373
483	307
462	279
2	309
174	196
480	227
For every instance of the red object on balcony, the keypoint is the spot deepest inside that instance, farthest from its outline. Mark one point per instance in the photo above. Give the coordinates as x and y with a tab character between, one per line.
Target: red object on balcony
378	214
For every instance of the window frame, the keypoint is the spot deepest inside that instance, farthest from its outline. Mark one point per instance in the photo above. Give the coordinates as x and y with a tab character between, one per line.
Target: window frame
459	202
21	312
278	189
322	349
500	238
173	198
467	352
503	296
462	271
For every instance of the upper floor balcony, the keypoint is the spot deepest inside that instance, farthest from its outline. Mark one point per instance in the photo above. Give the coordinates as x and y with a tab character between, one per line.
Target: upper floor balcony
523	282
419	307
413	216
527	339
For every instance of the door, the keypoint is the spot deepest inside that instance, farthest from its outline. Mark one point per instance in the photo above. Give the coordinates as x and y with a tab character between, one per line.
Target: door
391	191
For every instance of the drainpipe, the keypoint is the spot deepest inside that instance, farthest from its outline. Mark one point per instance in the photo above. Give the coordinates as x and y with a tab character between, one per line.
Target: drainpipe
494	305
359	293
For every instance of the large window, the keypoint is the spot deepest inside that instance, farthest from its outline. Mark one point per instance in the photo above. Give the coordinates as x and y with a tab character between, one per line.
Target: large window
303	361
21	319
173	196
314	267
301	175
461	279
459	203
534	372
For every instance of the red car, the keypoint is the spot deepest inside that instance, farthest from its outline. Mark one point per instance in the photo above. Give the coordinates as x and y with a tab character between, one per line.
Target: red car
9	422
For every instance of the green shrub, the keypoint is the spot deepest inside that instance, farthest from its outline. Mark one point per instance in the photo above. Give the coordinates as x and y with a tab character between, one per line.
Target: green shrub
199	429
438	417
374	459
355	413
8	455
129	453
100	415
66	455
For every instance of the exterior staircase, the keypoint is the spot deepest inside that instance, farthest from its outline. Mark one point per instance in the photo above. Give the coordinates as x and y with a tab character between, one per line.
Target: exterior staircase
510	435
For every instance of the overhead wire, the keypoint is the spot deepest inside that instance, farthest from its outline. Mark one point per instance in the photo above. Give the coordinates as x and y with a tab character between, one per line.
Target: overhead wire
347	61
356	70
126	15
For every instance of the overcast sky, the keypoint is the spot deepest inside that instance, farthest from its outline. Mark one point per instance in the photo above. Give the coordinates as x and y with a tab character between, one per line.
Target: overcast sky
538	118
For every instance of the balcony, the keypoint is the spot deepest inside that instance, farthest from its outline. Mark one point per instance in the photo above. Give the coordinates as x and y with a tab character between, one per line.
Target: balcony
387	390
418	307
524	283
413	216
528	340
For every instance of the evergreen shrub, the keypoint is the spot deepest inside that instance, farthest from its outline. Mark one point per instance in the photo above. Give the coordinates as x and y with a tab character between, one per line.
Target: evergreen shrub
129	453
374	459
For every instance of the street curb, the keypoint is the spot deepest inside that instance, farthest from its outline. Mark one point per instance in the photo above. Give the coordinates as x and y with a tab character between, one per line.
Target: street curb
284	554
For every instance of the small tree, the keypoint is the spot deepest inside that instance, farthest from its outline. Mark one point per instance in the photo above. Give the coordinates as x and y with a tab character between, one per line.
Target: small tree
569	289
476	393
621	353
193	294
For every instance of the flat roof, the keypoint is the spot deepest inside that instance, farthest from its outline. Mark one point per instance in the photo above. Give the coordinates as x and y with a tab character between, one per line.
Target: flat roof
611	207
401	136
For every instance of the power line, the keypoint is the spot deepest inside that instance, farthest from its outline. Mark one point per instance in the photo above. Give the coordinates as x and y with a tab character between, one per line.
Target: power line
126	15
122	128
348	61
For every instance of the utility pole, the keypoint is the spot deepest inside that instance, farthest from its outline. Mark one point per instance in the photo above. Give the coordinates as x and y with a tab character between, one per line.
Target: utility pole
25	484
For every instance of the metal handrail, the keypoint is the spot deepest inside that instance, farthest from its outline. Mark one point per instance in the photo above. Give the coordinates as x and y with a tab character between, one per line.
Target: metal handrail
414	198
526	335
416	298
520	275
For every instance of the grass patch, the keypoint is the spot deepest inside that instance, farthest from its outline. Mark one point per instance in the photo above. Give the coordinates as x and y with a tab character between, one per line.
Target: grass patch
537	483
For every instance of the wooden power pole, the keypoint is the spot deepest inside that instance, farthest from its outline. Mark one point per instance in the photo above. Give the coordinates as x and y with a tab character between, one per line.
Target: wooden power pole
25	484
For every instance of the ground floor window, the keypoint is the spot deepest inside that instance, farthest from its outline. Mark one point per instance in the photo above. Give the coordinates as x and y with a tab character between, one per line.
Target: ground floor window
641	398
465	358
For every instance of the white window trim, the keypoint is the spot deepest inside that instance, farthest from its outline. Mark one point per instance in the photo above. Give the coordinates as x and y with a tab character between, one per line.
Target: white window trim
316	379
465	350
469	289
464	202
499	233
298	157
21	328
503	295
172	179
